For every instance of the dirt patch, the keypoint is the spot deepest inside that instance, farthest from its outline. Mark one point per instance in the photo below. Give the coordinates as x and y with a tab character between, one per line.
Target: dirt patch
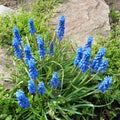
15	4
10	3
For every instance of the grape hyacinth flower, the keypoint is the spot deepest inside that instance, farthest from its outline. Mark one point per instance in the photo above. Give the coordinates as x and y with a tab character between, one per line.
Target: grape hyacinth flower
22	99
41	88
28	54
98	59
51	48
104	85
79	55
41	47
32	28
54	81
103	66
32	69
61	27
17	50
31	86
84	63
17	34
89	43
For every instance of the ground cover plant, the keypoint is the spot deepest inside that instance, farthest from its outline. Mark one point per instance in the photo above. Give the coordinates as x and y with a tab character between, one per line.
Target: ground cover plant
51	80
112	44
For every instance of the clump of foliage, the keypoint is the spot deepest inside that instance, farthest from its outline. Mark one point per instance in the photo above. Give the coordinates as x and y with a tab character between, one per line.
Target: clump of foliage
51	82
112	44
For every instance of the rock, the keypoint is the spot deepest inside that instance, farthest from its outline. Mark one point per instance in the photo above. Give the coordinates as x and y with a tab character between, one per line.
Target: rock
6	66
4	10
83	18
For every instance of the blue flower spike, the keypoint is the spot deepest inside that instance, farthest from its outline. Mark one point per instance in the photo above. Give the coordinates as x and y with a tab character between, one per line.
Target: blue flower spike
17	34
17	49
79	55
22	99
61	27
28	54
31	86
32	28
103	66
89	43
105	84
54	81
42	50
95	64
41	88
84	63
32	69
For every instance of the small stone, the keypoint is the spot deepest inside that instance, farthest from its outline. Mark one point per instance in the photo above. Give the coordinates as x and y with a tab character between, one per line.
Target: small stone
5	10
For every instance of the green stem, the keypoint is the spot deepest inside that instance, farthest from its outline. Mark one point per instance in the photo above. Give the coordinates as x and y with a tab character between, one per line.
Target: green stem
54	37
76	76
90	93
35	41
74	69
91	78
73	48
23	61
85	78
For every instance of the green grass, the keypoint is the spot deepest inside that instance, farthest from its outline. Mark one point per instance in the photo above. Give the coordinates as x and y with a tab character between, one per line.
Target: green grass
41	13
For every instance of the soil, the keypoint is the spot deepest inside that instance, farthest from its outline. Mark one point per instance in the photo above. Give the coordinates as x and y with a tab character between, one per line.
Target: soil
9	3
15	4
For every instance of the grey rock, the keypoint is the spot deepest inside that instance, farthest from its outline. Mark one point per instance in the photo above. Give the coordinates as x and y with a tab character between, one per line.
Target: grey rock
83	18
5	10
6	68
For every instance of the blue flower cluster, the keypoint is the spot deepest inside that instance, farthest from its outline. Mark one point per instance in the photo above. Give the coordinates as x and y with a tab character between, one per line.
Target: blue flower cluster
32	69
17	34
104	85
31	86
17	50
32	28
103	66
51	48
22	99
41	88
98	59
54	81
41	47
79	55
89	43
28	54
61	27
84	63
